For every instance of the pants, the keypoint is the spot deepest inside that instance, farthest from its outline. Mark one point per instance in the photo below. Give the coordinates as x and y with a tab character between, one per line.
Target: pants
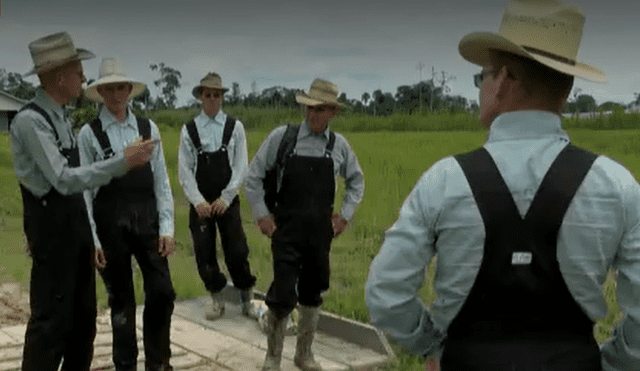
234	245
300	263
62	289
119	245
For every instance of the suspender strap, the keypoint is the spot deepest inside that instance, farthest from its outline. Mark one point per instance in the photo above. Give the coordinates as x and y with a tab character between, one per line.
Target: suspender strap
34	107
229	125
287	144
193	134
101	136
144	127
330	144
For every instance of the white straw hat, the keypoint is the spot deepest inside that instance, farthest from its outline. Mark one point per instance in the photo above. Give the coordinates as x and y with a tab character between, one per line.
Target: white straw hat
112	71
53	51
211	80
546	31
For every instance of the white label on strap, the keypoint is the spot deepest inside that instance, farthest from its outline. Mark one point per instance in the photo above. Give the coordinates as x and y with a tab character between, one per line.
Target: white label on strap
521	258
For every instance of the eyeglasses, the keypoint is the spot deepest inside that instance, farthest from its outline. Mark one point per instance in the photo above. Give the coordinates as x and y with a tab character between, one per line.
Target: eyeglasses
214	95
113	88
320	109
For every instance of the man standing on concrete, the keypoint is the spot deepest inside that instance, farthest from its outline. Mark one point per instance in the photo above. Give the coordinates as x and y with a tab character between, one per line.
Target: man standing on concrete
212	166
301	223
133	216
524	229
45	159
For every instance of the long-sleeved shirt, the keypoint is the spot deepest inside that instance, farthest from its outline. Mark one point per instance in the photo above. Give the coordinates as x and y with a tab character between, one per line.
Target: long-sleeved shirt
37	160
345	164
121	134
600	230
210	130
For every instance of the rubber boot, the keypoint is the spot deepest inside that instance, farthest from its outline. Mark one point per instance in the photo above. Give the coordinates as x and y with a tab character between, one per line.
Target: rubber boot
307	325
217	307
275	340
248	309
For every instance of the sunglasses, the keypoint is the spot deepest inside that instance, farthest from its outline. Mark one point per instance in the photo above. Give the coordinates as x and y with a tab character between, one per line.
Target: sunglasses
320	109
114	88
214	95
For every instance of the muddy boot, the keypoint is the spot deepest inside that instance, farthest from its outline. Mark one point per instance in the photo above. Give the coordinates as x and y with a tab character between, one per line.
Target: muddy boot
248	309
217	307
275	339
307	325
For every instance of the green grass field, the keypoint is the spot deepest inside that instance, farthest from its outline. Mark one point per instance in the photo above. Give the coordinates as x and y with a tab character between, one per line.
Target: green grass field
392	162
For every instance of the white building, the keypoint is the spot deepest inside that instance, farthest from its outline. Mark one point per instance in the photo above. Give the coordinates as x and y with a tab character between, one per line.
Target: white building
9	106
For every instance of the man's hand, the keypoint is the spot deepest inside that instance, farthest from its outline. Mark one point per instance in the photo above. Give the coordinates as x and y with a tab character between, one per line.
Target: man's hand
339	224
139	152
218	207
267	225
432	364
166	245
101	261
203	210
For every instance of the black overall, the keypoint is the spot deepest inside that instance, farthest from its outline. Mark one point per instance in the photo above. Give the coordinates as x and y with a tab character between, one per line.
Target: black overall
126	216
62	289
302	240
213	175
520	314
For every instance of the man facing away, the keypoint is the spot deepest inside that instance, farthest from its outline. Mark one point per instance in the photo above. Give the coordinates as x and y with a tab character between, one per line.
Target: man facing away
212	165
525	229
46	163
131	216
302	224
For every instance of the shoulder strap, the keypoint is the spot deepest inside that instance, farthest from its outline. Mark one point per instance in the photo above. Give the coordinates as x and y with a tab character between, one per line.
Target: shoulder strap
193	134
559	186
144	127
229	125
287	144
101	135
34	107
330	144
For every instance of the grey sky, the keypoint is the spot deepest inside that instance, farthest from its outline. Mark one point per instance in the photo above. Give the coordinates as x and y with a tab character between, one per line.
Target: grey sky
362	46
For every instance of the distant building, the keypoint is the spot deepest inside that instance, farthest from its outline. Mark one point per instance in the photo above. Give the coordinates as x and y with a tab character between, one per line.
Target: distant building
9	106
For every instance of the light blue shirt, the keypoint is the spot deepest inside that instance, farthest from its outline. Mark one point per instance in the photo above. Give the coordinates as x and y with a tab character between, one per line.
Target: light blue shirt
600	230
345	164
210	131
121	135
37	160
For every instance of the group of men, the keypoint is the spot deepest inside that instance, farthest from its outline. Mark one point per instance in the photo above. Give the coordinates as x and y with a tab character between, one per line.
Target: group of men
104	197
524	229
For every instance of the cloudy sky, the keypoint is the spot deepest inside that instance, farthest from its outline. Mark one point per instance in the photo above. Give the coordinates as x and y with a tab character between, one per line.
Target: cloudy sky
360	45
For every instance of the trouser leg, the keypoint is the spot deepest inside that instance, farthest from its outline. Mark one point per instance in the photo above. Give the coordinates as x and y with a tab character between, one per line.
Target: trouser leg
159	303
282	295
234	244
118	279
203	233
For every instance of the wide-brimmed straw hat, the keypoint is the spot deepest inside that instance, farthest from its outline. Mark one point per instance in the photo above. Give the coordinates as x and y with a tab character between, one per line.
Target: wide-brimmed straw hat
53	51
112	71
212	80
546	31
320	92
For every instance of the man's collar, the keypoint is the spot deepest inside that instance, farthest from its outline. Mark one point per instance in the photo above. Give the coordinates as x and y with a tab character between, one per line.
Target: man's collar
44	100
107	118
305	130
526	125
219	118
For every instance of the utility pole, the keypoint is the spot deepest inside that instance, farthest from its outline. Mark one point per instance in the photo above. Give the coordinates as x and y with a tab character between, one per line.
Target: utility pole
419	67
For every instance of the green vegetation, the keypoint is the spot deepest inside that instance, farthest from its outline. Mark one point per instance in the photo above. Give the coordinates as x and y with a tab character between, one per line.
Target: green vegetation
393	157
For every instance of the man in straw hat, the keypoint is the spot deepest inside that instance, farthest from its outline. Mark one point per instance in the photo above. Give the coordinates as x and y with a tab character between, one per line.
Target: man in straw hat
301	223
132	215
525	229
46	162
212	165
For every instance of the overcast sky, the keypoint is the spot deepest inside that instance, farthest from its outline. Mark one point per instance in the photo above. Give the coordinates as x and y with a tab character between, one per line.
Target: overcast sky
360	45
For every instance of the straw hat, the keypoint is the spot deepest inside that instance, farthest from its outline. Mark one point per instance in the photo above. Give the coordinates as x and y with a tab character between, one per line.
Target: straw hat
212	80
112	71
320	92
53	51
546	31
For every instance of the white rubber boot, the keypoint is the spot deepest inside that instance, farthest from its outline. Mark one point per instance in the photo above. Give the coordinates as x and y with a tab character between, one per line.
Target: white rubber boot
217	307
275	341
307	325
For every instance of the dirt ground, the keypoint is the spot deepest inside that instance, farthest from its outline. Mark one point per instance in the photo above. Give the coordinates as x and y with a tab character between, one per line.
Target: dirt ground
14	304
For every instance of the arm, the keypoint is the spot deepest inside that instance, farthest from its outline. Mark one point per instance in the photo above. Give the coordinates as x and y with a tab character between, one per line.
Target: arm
187	157
239	164
622	351
88	156
38	138
398	271
162	187
351	171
